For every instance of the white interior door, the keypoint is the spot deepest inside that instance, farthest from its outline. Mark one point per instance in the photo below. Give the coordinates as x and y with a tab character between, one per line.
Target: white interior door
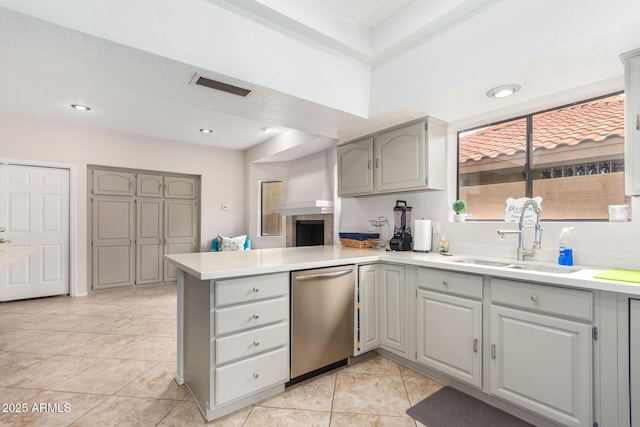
34	226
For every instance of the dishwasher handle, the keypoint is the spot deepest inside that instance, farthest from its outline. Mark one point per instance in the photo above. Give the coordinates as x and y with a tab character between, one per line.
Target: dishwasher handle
328	275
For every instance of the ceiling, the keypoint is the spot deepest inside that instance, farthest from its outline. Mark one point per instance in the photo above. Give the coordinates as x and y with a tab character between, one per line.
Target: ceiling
328	69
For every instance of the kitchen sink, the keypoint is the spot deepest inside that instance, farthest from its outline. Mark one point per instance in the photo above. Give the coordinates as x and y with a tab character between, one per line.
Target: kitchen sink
544	268
557	269
487	262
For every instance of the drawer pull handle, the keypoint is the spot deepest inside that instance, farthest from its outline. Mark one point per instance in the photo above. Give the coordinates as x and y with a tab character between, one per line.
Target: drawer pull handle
256	375
256	289
475	345
493	351
445	283
256	343
534	297
256	316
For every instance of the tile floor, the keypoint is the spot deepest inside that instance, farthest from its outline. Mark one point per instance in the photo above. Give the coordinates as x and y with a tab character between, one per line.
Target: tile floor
109	358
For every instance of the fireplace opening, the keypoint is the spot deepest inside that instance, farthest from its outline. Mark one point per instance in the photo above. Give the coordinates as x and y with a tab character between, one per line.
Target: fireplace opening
309	232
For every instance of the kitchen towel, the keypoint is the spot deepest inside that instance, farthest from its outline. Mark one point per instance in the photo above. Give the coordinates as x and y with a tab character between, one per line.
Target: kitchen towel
422	235
620	275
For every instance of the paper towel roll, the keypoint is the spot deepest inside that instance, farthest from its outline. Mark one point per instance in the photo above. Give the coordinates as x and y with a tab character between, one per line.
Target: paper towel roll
422	235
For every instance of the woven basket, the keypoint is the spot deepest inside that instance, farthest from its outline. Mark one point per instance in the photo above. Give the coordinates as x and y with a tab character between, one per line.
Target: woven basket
352	243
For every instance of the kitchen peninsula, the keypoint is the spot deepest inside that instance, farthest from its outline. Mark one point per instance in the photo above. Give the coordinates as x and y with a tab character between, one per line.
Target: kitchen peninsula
233	328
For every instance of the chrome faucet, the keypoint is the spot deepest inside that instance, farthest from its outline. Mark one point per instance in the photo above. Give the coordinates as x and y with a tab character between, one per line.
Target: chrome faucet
537	239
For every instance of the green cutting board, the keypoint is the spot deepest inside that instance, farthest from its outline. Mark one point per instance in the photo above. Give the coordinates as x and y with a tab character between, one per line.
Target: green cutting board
620	275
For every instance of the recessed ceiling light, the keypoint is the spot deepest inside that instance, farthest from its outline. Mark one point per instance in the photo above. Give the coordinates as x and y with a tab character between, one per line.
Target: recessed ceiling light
266	129
206	130
503	91
80	107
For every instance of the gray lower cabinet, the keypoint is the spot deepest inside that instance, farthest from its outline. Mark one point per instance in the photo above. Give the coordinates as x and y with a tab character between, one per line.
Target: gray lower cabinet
541	350
134	224
634	359
449	324
382	314
236	340
393	320
368	331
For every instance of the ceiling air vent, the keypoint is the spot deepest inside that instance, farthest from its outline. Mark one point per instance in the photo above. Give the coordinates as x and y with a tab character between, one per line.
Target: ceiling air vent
224	87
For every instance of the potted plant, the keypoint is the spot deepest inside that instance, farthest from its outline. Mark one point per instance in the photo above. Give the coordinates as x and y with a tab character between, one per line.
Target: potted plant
459	206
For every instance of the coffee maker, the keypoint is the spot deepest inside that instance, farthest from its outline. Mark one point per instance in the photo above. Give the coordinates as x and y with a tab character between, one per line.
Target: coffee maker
401	240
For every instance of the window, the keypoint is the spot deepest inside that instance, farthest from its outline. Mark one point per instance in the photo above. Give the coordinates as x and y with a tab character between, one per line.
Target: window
571	156
270	220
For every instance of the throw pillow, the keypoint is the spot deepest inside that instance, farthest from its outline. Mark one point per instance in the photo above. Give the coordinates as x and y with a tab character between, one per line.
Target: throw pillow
231	243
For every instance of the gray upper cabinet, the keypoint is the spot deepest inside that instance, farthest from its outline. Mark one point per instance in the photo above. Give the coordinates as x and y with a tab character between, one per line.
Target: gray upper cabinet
408	157
400	158
112	183
179	187
355	165
148	185
632	122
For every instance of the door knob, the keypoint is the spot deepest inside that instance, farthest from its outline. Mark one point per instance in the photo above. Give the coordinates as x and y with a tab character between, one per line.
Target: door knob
5	241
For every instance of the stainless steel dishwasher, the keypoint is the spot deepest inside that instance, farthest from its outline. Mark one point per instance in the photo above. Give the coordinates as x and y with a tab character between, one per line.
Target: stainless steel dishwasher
322	311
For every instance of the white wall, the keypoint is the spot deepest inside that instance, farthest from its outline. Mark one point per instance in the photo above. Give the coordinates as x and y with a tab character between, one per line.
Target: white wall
222	171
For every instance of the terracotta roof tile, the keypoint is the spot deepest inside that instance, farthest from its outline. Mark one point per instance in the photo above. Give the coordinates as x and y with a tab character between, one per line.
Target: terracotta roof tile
593	121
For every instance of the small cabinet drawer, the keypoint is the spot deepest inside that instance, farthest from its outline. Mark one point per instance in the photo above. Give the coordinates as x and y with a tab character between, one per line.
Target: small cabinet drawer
467	285
542	298
253	288
247	316
240	379
251	342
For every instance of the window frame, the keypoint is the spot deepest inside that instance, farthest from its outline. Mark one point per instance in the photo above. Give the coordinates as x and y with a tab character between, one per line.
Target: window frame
529	154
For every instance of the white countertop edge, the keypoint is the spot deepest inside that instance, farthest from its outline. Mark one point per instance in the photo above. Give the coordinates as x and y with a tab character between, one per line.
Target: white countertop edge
207	266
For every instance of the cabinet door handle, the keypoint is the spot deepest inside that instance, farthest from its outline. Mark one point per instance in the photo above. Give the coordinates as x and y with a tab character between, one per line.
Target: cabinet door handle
534	297
377	163
637	121
445	283
369	164
256	289
493	351
256	375
475	345
256	316
4	241
256	343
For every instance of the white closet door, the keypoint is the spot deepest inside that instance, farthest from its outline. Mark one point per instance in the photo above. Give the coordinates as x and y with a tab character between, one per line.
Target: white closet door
113	245
34	225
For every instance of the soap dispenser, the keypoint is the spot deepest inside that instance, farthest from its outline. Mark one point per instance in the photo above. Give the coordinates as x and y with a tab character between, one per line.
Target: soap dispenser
565	254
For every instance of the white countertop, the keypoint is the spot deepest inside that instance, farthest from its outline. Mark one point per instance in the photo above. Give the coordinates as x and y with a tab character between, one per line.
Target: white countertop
217	265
